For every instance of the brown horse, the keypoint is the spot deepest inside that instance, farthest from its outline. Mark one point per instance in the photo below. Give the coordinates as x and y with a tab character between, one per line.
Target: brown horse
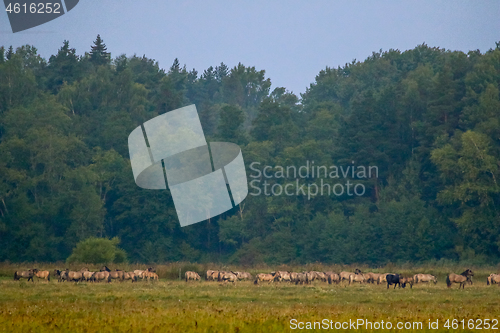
130	276
371	277
424	278
406	280
116	275
462	278
332	277
151	275
43	275
345	276
100	276
189	275
72	275
357	278
25	274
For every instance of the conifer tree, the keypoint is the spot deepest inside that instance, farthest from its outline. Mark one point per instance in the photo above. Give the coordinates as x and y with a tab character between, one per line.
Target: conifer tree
98	55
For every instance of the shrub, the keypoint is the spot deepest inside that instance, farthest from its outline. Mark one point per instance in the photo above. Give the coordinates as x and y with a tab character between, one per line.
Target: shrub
96	250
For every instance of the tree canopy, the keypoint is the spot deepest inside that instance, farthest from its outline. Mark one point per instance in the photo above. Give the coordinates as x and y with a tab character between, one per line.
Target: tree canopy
427	118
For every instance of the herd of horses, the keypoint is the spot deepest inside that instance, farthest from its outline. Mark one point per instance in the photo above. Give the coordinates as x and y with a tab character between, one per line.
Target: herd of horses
331	277
107	275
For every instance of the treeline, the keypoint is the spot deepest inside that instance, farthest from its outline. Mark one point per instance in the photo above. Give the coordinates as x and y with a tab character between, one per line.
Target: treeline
427	118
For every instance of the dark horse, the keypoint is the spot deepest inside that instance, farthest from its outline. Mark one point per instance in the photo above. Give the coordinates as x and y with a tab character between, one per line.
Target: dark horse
393	279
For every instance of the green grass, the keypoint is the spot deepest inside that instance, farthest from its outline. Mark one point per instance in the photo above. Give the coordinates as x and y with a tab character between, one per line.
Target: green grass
176	306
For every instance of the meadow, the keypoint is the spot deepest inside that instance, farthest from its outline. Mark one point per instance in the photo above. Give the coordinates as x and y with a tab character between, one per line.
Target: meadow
172	305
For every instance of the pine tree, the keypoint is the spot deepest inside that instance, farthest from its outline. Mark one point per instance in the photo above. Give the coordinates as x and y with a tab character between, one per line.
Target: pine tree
98	55
2	55
10	53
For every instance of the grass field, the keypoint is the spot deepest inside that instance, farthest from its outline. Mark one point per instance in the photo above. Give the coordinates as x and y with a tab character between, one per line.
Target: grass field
177	306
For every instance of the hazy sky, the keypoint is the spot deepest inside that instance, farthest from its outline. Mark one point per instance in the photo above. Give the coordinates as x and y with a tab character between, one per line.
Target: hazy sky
291	40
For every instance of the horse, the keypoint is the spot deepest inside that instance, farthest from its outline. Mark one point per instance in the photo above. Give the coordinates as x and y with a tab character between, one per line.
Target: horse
130	276
372	277
393	279
116	275
406	280
72	275
462	278
424	278
383	277
332	277
43	275
57	273
189	275
25	274
345	276
100	276
356	278
493	279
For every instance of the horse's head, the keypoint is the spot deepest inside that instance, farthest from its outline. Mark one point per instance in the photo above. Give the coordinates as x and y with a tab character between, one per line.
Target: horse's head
468	272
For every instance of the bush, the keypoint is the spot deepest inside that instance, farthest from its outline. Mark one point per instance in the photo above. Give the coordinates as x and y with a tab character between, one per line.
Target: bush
95	250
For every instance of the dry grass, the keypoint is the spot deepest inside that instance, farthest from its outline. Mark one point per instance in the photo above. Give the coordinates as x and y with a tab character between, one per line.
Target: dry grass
176	306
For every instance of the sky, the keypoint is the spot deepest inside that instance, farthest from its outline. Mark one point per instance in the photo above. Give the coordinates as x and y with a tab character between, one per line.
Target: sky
291	40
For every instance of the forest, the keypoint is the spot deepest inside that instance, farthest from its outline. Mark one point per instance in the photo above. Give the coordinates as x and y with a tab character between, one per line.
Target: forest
428	119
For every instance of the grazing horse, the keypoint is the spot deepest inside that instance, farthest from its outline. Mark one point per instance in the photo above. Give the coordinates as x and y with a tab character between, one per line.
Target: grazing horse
243	275
301	278
130	276
493	279
462	278
147	274
263	277
25	274
393	279
321	276
424	278
356	278
227	276
332	277
310	276
42	275
406	280
189	275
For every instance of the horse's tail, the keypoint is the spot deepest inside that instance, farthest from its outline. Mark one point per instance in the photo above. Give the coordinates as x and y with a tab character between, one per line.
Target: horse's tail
488	281
448	282
15	275
48	277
